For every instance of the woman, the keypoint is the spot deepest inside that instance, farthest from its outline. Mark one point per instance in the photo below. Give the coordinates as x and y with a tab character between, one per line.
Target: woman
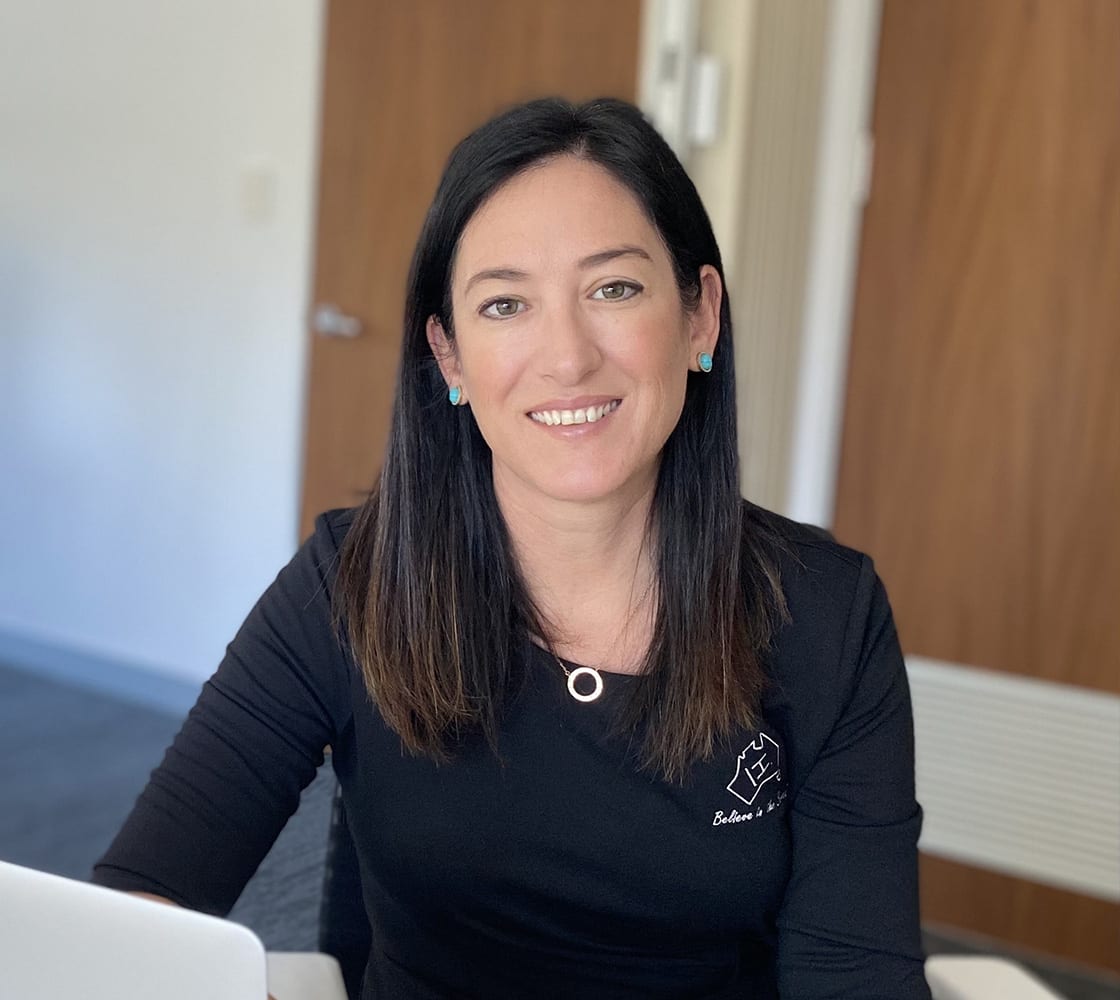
601	728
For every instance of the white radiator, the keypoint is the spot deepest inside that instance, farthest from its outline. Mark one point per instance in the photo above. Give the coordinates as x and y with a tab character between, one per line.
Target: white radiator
1018	775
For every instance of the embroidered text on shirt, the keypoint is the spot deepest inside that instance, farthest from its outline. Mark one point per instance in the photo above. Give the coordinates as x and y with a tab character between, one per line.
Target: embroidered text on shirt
737	817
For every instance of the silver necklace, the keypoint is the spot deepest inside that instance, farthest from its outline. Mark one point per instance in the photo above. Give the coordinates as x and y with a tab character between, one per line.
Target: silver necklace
574	676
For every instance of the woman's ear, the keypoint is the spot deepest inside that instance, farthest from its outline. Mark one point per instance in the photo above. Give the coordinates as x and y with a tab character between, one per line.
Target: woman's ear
444	351
704	319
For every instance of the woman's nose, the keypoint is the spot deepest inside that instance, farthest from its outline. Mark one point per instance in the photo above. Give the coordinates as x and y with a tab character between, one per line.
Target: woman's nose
570	348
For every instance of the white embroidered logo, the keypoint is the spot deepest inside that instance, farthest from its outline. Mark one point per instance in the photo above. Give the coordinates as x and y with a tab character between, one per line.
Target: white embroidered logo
759	763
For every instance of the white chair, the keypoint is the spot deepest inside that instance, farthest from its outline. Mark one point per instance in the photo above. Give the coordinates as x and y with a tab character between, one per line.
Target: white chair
304	975
979	977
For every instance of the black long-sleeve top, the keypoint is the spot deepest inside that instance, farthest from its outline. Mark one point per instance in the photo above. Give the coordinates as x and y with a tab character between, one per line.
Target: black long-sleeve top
784	866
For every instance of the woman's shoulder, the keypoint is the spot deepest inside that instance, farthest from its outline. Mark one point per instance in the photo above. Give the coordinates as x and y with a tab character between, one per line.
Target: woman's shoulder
809	560
837	650
333	525
834	598
315	565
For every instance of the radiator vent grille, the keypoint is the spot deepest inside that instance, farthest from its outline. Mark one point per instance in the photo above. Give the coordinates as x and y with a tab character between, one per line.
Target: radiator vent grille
1018	775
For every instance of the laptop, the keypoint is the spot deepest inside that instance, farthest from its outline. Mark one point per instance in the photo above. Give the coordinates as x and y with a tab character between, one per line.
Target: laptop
61	939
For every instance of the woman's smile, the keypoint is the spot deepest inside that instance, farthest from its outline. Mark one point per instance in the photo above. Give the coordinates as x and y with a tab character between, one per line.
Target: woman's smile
573	412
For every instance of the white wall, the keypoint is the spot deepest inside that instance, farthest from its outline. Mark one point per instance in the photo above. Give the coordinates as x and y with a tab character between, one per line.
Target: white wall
841	187
758	184
726	30
785	184
156	196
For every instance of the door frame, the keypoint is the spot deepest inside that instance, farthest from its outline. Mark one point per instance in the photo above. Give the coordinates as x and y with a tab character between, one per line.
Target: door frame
842	185
811	401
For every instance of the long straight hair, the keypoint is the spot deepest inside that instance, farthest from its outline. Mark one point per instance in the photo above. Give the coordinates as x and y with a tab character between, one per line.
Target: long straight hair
429	592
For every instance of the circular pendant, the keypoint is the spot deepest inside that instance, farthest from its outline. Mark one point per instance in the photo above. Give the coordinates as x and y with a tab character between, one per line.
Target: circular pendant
585	672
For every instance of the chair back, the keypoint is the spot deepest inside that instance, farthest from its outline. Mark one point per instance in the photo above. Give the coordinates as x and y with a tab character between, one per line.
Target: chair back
344	929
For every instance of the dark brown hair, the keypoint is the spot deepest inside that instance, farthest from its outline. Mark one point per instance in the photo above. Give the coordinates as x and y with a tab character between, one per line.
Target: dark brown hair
429	593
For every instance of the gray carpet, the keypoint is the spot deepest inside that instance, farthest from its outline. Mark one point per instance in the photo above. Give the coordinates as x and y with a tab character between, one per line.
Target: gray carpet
72	762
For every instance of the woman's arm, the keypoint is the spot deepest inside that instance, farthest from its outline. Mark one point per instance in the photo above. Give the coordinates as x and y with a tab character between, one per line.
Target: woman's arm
251	743
849	924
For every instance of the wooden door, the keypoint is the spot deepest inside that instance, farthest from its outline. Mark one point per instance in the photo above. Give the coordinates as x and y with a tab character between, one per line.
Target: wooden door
404	81
981	446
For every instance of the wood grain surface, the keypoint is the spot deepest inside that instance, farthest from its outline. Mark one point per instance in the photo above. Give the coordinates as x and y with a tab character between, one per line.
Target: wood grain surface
1035	917
981	445
403	83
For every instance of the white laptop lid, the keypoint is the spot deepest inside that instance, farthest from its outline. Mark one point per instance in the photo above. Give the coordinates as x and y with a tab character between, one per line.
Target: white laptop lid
61	939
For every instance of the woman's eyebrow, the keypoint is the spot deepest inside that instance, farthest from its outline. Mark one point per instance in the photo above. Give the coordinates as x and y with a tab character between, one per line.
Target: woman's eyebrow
605	256
592	260
496	274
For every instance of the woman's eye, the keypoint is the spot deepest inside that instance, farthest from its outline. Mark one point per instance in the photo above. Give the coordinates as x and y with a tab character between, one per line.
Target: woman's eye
617	291
501	308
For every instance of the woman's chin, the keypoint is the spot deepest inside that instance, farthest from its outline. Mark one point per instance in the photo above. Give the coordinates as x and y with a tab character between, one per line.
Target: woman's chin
575	483
585	487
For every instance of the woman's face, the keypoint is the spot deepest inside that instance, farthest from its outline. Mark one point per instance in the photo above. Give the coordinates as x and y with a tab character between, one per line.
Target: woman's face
571	345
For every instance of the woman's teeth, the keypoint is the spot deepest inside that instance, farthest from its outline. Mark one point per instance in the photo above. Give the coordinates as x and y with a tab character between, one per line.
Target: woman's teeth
587	415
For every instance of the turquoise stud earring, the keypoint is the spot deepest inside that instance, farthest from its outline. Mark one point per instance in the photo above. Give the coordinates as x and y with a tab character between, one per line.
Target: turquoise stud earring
704	360
454	395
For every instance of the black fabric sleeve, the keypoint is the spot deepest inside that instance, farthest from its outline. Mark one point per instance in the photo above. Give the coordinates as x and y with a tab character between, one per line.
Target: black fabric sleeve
849	923
252	742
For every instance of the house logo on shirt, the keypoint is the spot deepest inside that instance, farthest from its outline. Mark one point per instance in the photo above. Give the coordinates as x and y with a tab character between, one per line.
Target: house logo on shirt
758	766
